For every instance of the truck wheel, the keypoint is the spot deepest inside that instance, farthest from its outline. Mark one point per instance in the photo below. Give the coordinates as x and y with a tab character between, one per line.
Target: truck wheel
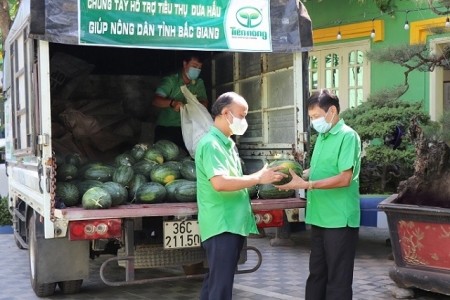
40	289
70	286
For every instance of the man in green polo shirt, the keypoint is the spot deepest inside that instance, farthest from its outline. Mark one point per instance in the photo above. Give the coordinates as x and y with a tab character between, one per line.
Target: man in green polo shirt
332	200
170	99
224	210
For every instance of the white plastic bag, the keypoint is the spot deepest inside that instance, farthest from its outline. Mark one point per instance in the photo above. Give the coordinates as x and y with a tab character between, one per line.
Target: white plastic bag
195	121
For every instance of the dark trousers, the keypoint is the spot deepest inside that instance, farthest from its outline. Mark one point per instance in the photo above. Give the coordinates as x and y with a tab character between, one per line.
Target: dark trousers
331	263
222	252
172	134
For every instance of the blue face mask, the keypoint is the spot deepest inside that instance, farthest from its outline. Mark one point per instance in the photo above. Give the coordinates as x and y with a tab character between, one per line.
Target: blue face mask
193	73
321	125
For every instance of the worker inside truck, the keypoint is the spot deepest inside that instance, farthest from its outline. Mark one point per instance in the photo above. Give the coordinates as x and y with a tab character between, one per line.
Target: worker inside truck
170	99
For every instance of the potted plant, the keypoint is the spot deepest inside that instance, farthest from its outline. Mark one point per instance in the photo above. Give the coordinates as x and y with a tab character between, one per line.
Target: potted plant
5	216
418	214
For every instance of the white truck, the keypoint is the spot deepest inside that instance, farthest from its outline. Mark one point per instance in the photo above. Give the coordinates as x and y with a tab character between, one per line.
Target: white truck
109	56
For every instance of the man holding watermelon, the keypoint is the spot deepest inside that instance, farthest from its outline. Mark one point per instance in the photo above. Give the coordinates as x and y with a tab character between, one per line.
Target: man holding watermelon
170	99
332	200
224	210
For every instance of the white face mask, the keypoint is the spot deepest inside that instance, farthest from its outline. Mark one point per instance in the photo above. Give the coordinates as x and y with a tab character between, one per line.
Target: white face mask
321	125
239	126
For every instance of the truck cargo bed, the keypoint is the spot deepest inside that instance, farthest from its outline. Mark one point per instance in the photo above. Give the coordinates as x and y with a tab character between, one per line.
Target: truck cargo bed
165	209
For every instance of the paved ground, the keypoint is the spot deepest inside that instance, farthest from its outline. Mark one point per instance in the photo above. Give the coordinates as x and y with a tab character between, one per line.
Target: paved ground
282	274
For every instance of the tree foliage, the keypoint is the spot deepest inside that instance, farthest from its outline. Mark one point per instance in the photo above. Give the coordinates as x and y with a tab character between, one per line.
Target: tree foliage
415	57
377	121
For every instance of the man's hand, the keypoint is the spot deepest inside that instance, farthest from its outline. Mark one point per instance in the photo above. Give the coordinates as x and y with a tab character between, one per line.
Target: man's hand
177	105
270	175
296	183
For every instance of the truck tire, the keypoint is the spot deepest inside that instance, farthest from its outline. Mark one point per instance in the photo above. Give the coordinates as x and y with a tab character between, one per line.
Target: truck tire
70	286
40	289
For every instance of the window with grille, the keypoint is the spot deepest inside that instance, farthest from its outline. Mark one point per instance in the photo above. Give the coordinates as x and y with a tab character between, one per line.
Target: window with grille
343	69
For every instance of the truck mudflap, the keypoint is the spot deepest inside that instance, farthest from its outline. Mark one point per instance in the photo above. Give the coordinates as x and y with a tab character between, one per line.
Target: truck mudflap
156	256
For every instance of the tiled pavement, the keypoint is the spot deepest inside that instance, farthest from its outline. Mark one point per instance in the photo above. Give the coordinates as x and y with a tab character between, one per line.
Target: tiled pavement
282	274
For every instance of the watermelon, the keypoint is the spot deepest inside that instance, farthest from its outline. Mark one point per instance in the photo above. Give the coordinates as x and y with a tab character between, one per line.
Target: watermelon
73	159
182	155
168	149
185	158
60	160
170	189
288	164
153	154
96	198
124	160
123	175
138	151
135	184
188	170
176	164
144	167
100	173
164	173
186	192
68	192
85	185
84	167
118	193
252	191
269	191
151	192
66	172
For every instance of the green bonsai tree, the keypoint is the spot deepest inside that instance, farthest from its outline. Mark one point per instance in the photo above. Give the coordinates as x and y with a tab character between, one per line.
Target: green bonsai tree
423	152
388	153
430	183
5	215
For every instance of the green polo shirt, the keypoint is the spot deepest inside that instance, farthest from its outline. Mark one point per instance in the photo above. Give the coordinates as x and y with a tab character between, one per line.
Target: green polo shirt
334	152
220	212
170	88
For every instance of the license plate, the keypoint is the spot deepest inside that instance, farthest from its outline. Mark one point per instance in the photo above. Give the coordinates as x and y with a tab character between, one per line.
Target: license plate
181	234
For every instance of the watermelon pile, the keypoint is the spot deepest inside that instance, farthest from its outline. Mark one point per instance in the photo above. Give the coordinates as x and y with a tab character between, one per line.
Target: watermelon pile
143	174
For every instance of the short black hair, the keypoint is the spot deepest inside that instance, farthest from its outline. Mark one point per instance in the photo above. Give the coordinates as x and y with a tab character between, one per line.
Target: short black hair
222	101
324	98
188	55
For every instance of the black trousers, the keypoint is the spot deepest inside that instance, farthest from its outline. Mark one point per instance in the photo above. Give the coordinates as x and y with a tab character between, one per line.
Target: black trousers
331	263
172	134
222	252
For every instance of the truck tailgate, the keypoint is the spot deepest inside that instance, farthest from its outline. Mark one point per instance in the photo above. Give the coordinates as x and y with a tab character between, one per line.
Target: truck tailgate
164	209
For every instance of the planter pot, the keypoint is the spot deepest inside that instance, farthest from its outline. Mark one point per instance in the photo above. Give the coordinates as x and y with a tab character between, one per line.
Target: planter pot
420	238
6	229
